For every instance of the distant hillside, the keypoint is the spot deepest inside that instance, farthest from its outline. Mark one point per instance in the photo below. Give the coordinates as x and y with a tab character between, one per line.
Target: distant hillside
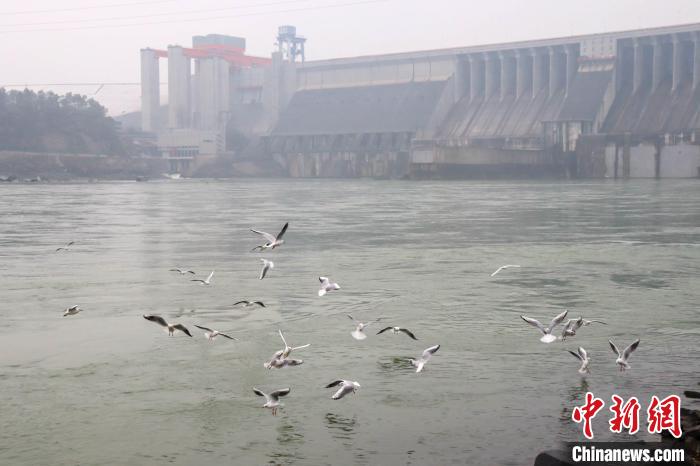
47	122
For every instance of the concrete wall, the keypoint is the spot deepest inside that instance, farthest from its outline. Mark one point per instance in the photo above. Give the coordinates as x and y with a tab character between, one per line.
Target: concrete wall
677	161
345	165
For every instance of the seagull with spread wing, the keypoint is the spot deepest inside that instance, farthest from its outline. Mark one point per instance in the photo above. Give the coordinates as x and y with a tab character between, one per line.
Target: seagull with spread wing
503	267
582	356
181	271
281	358
346	387
419	363
396	330
211	334
71	311
623	356
272	241
170	328
66	247
326	286
358	333
206	281
272	399
547	336
247	303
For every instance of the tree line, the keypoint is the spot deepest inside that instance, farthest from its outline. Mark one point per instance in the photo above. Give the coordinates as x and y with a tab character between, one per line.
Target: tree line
47	122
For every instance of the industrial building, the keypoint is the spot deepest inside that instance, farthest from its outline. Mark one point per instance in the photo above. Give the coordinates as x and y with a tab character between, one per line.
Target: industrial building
621	104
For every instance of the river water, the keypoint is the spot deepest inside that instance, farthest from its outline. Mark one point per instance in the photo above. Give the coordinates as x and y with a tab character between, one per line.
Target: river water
107	387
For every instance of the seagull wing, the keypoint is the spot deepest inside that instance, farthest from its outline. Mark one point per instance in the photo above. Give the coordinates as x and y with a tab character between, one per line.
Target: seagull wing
597	322
498	270
614	348
351	318
408	332
335	383
205	328
534	322
227	336
582	353
384	330
259	303
430	351
265	235
626	353
278	393
210	275
283	340
342	391
241	302
557	320
157	319
259	392
300	347
197	280
183	329
264	270
576	355
324	280
281	233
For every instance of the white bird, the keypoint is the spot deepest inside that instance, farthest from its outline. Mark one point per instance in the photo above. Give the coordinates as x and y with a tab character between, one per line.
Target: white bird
622	357
425	357
247	303
572	325
207	281
267	265
358	333
181	271
547	336
582	356
326	286
170	327
71	311
346	386
279	363
65	248
272	241
396	330
281	358
503	267
211	334
272	399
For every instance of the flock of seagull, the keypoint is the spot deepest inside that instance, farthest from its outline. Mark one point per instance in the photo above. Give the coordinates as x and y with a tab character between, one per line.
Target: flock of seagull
569	330
282	358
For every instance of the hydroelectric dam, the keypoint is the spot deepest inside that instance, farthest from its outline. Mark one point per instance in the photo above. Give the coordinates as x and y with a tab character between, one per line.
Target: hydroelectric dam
618	105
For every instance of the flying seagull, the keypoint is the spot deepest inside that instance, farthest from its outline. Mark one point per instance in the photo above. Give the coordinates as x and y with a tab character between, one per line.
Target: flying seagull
326	286
424	358
247	303
272	399
170	327
211	334
346	386
281	358
396	330
547	336
280	362
181	271
267	265
207	281
358	333
71	311
622	357
272	241
572	325
582	356
503	267
65	248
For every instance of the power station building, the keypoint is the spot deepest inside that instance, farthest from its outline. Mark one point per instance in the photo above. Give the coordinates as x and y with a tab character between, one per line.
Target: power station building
622	104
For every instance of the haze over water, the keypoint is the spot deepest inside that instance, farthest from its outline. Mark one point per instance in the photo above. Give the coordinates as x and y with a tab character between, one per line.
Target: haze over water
107	387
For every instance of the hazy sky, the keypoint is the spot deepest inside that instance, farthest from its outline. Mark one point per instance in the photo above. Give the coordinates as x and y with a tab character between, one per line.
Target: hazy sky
77	41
